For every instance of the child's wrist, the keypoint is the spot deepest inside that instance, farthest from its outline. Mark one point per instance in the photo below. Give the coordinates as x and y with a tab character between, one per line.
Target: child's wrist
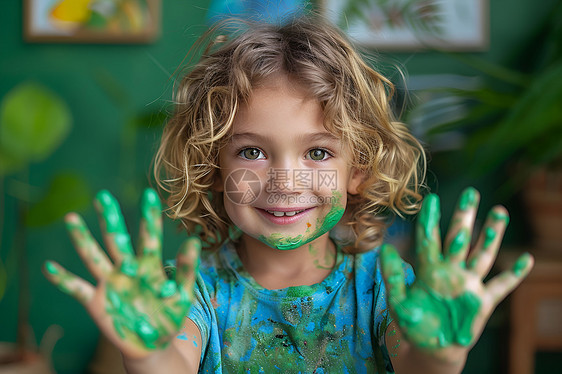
167	358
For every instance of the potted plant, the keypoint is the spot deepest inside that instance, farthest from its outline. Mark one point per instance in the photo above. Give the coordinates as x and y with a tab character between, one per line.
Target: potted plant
512	122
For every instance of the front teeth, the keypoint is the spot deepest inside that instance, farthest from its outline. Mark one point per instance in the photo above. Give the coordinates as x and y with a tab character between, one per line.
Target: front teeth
281	214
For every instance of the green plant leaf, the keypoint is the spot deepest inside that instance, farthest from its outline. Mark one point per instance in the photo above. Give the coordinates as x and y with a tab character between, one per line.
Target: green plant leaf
10	163
67	192
536	113
33	123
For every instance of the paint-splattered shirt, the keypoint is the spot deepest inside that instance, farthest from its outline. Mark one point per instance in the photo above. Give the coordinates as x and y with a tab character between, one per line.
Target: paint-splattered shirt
336	326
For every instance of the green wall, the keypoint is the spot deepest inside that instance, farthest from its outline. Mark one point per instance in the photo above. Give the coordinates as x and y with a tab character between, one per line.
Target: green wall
95	148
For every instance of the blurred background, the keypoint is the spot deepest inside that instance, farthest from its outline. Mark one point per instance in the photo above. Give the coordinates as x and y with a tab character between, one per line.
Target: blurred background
86	86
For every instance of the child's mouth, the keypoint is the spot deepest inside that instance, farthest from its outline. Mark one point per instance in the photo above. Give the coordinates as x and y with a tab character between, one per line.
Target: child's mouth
284	217
288	214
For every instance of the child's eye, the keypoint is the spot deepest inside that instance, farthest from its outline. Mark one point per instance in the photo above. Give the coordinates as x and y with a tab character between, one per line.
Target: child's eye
251	154
318	154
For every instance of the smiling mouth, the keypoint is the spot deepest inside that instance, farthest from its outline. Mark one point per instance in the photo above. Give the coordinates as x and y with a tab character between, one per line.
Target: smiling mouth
284	214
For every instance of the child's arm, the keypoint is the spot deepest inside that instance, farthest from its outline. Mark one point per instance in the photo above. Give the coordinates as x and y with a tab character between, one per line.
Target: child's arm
133	303
441	316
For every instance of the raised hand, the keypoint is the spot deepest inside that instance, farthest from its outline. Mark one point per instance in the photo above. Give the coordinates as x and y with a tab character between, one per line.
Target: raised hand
448	305
133	303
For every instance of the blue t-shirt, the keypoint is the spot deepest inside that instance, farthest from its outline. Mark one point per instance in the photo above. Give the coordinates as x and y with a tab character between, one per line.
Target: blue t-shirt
336	326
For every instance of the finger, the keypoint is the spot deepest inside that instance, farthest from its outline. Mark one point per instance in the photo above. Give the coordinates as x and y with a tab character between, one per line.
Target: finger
393	275
486	249
68	282
428	235
501	285
116	236
93	256
457	241
151	225
188	263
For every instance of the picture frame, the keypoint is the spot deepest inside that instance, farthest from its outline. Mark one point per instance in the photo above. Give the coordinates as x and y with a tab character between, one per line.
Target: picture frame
406	25
95	21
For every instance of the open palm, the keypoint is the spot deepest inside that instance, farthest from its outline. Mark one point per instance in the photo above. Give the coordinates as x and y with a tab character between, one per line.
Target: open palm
448	305
133	303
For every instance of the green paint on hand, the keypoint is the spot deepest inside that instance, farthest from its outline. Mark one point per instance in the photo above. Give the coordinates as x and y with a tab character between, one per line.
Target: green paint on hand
151	212
460	242
129	266
111	213
468	199
489	236
51	268
146	332
499	216
521	264
114	222
168	289
430	215
433	321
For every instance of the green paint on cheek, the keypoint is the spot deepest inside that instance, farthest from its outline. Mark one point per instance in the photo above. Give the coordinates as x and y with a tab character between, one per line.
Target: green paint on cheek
282	242
459	242
468	199
279	241
430	215
521	264
489	236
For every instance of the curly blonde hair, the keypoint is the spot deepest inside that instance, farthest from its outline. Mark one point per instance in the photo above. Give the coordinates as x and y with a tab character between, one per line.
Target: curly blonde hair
355	100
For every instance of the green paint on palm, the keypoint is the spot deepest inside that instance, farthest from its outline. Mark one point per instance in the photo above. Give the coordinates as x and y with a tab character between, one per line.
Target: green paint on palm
129	266
131	322
168	288
431	320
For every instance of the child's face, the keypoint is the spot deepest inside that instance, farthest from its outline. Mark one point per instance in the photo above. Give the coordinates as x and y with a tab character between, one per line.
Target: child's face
285	177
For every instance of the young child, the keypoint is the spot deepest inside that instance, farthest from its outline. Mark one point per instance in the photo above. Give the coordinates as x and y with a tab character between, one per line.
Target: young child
284	162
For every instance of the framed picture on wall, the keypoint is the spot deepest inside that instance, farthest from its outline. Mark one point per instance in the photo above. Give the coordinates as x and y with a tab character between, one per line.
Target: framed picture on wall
412	24
91	21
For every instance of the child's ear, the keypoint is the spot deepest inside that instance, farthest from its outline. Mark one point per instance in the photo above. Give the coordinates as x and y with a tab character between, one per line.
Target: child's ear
356	177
